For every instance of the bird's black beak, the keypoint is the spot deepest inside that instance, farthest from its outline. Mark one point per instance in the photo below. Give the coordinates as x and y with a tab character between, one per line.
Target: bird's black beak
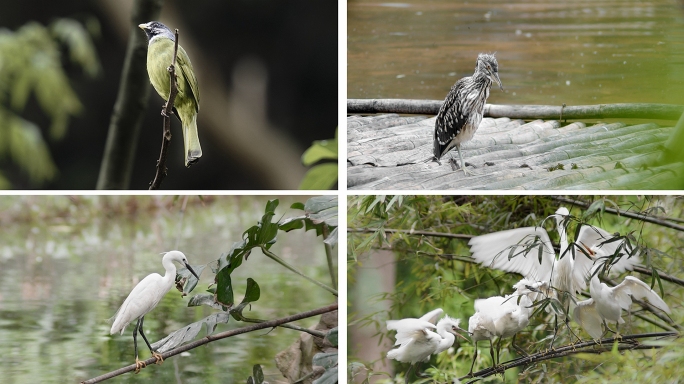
455	332
191	270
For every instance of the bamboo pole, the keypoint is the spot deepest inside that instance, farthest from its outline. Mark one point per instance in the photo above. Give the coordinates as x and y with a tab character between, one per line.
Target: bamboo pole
525	112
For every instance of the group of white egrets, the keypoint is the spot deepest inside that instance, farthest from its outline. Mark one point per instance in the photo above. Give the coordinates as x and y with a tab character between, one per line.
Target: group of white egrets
529	252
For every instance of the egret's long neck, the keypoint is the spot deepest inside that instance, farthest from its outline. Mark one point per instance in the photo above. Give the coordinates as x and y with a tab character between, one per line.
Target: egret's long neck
448	338
170	268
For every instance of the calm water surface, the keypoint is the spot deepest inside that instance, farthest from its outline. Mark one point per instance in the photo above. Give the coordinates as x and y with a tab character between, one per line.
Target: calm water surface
67	264
549	52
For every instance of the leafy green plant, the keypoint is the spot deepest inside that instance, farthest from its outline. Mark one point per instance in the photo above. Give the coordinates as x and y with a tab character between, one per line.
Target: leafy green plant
323	174
319	214
32	64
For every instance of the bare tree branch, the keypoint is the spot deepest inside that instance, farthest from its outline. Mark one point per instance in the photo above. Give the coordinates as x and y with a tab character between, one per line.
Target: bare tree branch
167	111
131	102
218	336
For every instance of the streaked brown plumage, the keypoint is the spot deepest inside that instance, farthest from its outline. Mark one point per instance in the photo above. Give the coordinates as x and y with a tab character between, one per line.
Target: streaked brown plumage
461	113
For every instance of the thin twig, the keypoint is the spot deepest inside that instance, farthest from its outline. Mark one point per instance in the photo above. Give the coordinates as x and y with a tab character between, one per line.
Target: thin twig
632	215
412	232
282	262
167	111
218	336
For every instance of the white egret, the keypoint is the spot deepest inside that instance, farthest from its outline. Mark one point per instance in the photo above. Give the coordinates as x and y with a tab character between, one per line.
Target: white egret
606	304
529	252
502	317
144	297
417	341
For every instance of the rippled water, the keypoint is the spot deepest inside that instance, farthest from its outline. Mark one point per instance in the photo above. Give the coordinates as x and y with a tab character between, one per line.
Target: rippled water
66	264
549	52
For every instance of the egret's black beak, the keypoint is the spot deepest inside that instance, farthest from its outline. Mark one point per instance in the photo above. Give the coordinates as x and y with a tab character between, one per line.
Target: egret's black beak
191	271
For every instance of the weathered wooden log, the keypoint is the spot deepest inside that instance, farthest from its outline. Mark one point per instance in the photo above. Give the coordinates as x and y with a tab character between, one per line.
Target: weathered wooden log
525	112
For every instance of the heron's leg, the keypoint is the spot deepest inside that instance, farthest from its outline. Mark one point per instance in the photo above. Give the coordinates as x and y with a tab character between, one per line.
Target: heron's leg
458	148
473	364
517	348
567	324
491	352
156	355
138	364
555	331
417	371
406	377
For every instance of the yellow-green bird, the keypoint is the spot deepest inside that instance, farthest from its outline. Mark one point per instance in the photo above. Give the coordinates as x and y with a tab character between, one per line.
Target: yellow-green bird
159	58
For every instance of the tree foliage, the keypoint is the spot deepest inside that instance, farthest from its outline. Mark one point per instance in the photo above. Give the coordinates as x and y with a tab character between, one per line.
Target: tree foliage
33	64
429	236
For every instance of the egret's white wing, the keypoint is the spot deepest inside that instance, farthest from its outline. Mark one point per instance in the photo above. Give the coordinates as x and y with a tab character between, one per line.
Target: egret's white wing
586	315
640	290
409	329
145	296
510	251
432	316
596	240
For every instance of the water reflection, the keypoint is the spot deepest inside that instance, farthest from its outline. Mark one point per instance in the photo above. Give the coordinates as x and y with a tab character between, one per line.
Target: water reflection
549	52
66	264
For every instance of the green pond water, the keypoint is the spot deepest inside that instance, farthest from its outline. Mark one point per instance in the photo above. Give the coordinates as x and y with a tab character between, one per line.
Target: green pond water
67	264
549	52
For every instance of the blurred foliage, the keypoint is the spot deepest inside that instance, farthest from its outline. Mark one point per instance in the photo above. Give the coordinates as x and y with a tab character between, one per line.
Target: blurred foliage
32	64
429	237
321	176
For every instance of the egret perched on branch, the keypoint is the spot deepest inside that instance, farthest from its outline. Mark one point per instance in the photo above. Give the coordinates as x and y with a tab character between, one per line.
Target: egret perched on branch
606	304
461	113
145	296
417	340
502	317
529	252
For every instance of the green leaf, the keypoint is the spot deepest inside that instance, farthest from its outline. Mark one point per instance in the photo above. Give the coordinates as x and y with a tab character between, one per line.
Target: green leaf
191	279
332	336
328	377
325	360
320	177
297	205
253	291
224	288
258	374
320	150
203	299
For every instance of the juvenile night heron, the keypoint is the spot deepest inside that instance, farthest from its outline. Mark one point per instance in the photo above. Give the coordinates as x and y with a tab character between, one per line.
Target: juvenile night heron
461	113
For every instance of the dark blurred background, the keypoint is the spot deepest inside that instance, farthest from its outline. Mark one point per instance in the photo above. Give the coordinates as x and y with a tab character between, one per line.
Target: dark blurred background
267	72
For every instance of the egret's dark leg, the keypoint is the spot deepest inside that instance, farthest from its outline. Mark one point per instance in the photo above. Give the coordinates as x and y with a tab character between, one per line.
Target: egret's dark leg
138	364
491	352
473	364
555	330
156	355
408	372
517	348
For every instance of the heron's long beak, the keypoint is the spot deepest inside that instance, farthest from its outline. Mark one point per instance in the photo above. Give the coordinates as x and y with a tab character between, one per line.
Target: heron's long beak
191	271
458	334
495	77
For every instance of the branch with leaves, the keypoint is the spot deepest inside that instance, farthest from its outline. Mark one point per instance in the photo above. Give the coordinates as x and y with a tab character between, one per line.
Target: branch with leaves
626	342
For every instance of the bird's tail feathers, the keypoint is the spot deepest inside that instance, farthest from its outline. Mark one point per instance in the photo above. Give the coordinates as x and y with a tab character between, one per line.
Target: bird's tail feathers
193	151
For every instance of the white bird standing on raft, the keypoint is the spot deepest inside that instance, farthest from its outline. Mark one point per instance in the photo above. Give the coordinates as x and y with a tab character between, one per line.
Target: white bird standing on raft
143	298
462	110
416	340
